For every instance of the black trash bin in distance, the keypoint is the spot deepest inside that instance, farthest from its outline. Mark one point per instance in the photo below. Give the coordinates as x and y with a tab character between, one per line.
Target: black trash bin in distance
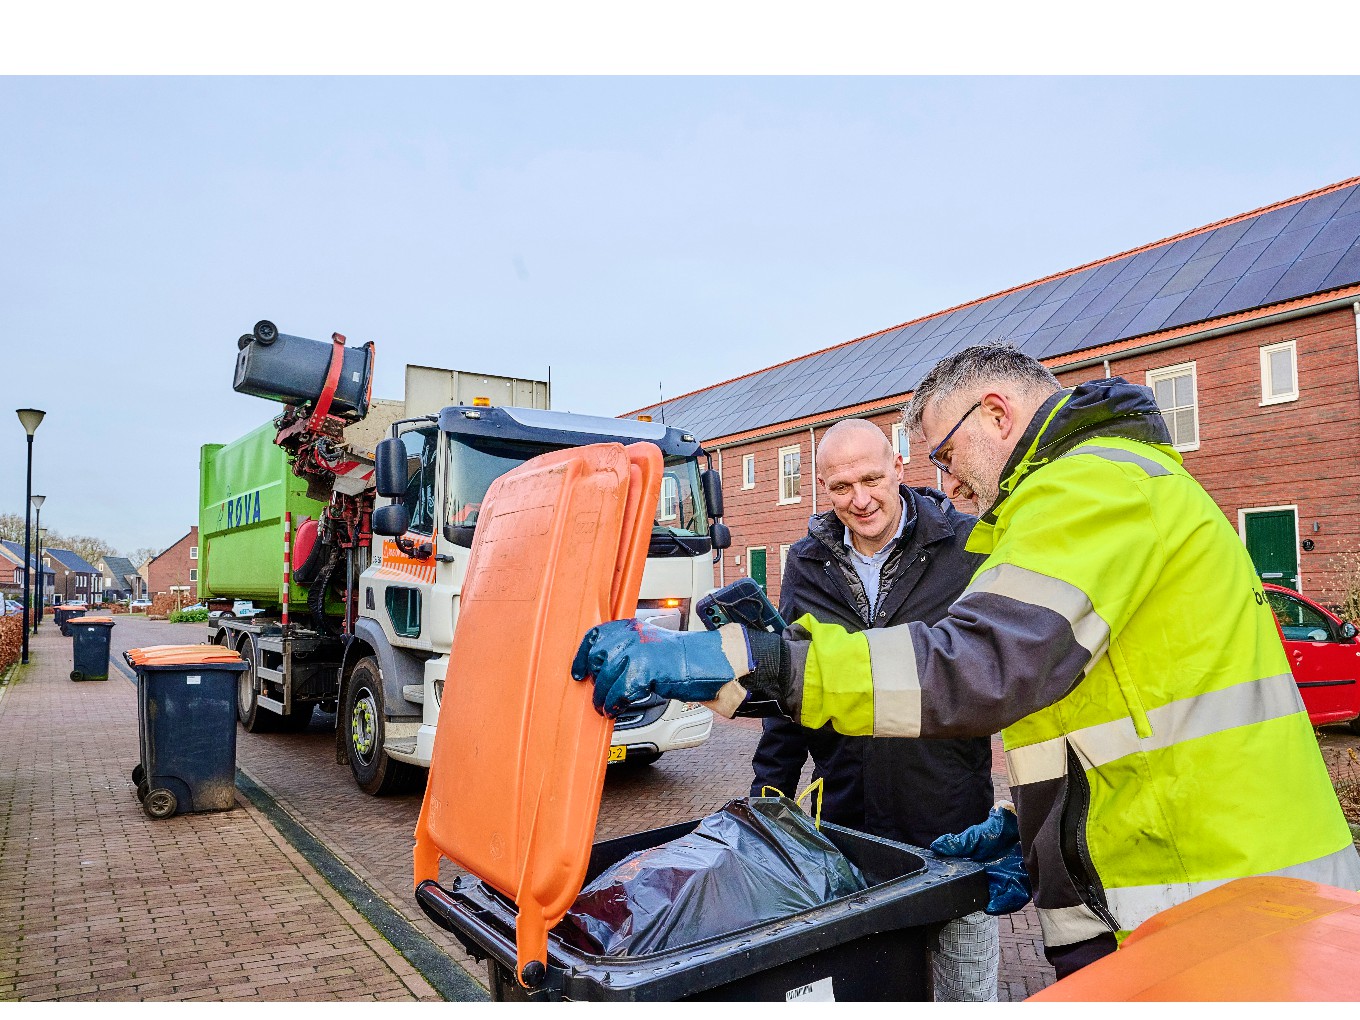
186	717
64	614
90	636
871	946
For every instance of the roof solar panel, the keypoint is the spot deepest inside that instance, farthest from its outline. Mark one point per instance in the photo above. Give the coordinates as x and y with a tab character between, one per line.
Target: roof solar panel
1294	250
1249	291
1321	208
1346	271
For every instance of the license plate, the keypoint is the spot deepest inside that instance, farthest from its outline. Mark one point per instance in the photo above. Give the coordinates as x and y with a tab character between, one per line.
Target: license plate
617	753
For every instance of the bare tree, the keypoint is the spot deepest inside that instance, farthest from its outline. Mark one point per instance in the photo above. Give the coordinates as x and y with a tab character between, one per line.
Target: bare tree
12	527
140	556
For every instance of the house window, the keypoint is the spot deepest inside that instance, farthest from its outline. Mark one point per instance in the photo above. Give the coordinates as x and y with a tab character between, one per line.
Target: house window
901	442
783	559
1176	393
1279	373
669	509
790	474
193	574
193	552
748	471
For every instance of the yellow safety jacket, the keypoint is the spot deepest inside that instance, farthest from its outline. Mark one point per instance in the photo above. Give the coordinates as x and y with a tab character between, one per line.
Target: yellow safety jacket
1118	637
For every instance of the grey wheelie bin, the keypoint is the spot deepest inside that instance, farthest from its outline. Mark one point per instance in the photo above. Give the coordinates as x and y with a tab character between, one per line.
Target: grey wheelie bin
186	715
90	637
871	946
64	614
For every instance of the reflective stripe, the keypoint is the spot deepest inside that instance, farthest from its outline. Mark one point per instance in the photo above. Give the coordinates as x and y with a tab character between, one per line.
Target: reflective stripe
1064	925
1132	905
897	687
1274	697
1150	466
1036	589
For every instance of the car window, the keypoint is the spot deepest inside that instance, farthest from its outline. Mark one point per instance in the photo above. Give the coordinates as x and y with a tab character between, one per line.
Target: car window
1298	620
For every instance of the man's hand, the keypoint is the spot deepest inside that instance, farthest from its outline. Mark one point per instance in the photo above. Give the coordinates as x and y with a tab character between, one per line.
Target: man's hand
631	660
995	844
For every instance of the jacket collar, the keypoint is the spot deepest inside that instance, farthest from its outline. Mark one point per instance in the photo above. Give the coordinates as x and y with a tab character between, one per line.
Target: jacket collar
1102	407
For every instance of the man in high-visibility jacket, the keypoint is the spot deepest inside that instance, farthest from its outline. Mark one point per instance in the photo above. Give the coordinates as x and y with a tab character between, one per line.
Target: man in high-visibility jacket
1116	634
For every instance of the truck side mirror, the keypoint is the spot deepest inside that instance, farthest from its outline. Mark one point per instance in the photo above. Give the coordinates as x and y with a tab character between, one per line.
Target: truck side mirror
391	520
712	483
389	470
720	535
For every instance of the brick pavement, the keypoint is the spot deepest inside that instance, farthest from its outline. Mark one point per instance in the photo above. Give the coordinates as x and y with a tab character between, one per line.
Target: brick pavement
99	902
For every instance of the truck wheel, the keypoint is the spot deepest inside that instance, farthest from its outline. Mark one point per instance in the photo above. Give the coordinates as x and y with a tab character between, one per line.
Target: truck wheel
375	773
254	718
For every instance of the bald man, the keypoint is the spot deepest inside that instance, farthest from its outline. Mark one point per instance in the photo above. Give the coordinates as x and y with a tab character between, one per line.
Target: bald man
887	554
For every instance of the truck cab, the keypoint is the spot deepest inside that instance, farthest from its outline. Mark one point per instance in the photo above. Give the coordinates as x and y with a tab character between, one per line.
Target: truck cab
438	469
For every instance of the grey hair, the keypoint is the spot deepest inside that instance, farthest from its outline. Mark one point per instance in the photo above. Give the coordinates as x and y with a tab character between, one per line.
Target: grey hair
973	367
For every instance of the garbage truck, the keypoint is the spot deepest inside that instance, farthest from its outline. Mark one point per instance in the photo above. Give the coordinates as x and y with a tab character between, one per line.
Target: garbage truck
359	586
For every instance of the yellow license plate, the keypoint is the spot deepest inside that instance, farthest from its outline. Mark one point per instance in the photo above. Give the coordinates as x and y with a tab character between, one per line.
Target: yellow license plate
617	753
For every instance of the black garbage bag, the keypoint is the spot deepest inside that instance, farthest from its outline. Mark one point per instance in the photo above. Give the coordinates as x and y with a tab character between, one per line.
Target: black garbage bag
757	859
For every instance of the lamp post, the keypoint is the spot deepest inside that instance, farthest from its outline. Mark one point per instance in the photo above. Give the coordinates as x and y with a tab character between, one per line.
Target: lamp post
41	532
37	502
30	418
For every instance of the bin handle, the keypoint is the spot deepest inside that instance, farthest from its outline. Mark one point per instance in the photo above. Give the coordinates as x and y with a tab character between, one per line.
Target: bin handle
816	785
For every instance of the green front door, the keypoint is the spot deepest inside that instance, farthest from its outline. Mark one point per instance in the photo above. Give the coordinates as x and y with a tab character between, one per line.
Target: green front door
1270	538
755	566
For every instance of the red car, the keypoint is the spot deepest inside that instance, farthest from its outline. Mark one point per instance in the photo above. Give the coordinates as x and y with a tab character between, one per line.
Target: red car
1324	654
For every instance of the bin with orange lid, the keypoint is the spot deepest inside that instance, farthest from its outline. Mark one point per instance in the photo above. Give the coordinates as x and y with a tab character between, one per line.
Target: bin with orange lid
186	717
1266	939
519	762
64	613
90	637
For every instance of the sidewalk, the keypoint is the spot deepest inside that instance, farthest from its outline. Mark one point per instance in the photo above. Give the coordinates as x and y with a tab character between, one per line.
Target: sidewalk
99	902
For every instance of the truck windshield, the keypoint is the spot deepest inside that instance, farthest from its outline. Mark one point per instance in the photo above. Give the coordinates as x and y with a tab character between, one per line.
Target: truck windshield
680	527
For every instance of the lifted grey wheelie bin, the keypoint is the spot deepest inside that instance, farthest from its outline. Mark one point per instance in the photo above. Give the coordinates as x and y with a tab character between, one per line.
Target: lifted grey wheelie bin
90	637
186	715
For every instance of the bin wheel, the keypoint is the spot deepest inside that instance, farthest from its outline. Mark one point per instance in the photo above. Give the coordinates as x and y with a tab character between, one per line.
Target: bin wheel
143	788
160	803
266	332
138	773
362	718
77	675
245	341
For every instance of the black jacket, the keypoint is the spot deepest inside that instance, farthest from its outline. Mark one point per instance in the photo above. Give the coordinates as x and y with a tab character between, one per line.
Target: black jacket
908	790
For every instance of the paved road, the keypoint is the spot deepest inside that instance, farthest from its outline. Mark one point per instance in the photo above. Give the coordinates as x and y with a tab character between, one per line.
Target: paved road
373	836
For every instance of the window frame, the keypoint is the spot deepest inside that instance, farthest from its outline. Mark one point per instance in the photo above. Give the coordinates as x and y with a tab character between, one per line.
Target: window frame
193	575
748	470
1267	399
672	483
1157	375
193	552
901	442
790	500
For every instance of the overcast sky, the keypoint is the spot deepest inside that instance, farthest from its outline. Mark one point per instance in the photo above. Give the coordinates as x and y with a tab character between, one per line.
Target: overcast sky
637	236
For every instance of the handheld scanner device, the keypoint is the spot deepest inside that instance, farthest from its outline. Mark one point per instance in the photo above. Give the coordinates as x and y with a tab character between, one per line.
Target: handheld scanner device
741	602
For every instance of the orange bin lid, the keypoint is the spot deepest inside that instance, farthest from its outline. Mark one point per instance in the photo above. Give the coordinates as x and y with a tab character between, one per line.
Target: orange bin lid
1252	939
91	619
518	765
75	605
180	655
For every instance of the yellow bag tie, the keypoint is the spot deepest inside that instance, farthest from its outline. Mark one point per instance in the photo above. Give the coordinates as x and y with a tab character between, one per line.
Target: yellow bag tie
816	784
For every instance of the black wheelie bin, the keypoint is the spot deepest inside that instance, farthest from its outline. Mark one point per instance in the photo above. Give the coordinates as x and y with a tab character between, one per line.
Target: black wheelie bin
63	614
186	716
90	637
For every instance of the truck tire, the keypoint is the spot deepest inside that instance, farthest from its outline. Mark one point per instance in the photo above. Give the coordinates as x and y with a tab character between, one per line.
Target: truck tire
374	772
254	718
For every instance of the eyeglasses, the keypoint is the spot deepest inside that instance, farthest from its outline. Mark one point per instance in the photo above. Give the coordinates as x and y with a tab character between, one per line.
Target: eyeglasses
934	454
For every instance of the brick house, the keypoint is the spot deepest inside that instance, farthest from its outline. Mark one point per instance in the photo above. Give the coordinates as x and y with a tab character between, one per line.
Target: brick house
12	572
175	570
75	579
1247	331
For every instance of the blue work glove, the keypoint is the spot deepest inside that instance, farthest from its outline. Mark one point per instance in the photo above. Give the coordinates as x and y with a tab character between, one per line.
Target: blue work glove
630	660
995	844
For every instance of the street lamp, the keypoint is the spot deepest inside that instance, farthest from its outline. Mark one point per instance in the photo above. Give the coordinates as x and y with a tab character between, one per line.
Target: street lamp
37	502
30	418
42	575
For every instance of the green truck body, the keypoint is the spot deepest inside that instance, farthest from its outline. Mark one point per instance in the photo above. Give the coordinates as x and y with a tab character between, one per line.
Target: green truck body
245	488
